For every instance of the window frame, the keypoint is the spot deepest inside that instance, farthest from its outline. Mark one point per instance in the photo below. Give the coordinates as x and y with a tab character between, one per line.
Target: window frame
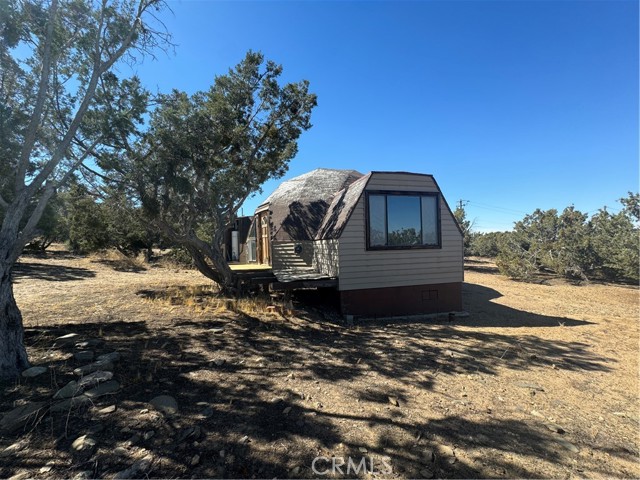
387	193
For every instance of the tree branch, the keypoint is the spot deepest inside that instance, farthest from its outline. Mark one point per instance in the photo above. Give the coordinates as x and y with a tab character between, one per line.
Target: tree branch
36	116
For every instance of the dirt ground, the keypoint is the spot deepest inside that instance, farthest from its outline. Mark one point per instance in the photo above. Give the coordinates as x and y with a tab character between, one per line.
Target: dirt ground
539	381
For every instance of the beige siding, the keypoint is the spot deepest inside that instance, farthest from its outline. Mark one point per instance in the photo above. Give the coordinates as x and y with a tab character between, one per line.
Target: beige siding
360	268
284	257
325	257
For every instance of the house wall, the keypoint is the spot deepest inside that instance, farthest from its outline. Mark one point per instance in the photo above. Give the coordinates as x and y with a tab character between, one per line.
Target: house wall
284	257
325	257
364	270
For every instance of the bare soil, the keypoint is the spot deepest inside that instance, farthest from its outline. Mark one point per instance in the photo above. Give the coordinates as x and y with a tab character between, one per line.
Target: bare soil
539	381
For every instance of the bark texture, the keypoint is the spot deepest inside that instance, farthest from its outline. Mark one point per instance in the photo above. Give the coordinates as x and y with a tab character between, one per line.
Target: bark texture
13	355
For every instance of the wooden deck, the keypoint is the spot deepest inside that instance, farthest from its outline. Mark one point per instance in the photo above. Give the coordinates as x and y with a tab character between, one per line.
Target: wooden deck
253	275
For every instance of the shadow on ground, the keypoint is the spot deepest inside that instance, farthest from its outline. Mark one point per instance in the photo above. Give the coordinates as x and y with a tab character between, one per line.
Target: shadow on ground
250	395
50	273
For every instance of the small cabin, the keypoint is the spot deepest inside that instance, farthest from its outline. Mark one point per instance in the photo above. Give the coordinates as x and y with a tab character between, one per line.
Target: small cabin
387	241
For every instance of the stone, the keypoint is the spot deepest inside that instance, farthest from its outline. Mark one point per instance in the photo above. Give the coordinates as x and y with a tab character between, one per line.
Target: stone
207	412
13	448
69	390
93	367
286	411
84	444
83	356
427	473
82	475
103	389
219	362
195	460
362	450
137	470
94	378
554	428
34	372
121	452
394	401
107	410
66	340
427	456
69	403
90	343
244	439
217	330
165	404
446	451
568	445
109	357
20	416
148	435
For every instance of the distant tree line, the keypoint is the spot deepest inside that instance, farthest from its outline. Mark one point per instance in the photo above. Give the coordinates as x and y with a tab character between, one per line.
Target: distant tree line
572	244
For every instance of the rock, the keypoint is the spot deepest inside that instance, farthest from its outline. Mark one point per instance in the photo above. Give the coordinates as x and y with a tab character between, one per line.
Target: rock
427	473
207	412
20	476
195	460
137	470
148	435
217	330
103	389
427	456
84	444
244	439
83	356
94	378
93	367
568	445
14	448
107	410
362	450
219	362
394	401
66	340
295	471
82	475
165	404
446	451
69	390
34	372
109	357
20	416
121	452
45	469
70	403
286	411
554	428
90	343
533	386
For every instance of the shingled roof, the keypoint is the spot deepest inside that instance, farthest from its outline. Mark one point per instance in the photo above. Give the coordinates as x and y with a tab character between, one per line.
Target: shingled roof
299	206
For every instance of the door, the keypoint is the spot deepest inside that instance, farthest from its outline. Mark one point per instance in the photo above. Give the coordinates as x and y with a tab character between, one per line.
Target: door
265	239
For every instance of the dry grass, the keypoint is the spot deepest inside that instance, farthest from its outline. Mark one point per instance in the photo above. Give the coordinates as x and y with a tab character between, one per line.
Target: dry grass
459	385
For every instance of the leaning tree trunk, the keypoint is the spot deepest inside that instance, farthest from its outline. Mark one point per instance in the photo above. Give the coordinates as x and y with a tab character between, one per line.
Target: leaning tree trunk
13	355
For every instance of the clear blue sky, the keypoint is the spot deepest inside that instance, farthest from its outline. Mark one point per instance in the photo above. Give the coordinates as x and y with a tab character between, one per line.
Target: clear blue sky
512	105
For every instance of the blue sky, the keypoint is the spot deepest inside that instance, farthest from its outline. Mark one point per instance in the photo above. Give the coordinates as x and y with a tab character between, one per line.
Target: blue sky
511	106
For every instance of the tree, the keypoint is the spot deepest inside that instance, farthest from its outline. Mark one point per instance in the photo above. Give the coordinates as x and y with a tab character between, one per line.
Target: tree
60	103
232	138
465	225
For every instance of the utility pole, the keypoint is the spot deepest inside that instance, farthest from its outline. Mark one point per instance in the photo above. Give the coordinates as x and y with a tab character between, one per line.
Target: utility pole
462	203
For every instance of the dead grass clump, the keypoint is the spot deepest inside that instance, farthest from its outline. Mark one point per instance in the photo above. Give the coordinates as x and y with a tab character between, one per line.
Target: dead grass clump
118	261
208	299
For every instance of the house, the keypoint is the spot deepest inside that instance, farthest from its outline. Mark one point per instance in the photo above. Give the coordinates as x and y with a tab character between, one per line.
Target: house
387	241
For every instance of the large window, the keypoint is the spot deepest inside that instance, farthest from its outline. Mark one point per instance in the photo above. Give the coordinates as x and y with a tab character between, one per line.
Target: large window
402	220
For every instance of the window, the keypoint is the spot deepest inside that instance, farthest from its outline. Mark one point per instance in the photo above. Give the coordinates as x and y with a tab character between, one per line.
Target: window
403	220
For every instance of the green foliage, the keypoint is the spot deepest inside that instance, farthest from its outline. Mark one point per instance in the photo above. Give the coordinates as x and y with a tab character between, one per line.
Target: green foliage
465	225
485	244
606	246
205	153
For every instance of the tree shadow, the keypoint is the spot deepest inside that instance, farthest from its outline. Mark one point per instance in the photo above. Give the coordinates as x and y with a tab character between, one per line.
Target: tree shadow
249	391
50	273
478	301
